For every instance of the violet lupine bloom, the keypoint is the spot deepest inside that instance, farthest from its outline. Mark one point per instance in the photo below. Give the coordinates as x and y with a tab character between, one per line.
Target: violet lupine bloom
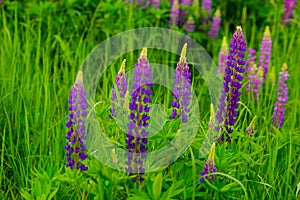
251	60
75	146
155	3
206	7
233	77
183	12
118	94
265	52
288	11
251	73
282	97
139	117
182	89
254	81
190	25
216	22
223	57
174	17
209	166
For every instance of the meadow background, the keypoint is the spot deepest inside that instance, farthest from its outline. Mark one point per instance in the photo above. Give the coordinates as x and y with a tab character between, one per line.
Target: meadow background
43	44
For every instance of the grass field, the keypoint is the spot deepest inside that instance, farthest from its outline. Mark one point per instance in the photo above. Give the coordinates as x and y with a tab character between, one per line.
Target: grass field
42	47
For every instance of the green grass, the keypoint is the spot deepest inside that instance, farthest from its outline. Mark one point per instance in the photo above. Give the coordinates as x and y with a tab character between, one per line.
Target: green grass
42	47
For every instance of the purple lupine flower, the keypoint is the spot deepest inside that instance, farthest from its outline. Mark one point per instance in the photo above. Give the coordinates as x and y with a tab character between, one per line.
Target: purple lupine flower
75	147
118	94
253	81
174	17
265	52
223	57
206	7
209	166
182	89
251	60
139	117
233	77
155	3
190	25
184	12
282	97
214	29
288	11
252	74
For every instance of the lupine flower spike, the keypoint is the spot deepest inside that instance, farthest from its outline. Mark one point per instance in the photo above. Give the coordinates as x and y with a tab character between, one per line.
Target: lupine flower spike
190	25
75	147
139	117
118	92
223	57
282	97
233	77
195	6
155	3
206	7
182	89
288	11
255	81
184	13
250	129
209	166
253	74
265	52
251	60
174	17
214	29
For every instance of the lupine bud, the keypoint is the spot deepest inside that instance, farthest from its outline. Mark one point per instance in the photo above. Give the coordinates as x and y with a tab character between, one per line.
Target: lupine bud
223	57
250	129
273	76
209	166
196	9
174	17
260	75
288	11
75	146
212	116
118	92
265	52
182	89
282	97
233	77
214	29
139	117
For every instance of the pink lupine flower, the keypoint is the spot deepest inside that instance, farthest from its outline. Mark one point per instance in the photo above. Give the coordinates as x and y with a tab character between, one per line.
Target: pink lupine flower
282	97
